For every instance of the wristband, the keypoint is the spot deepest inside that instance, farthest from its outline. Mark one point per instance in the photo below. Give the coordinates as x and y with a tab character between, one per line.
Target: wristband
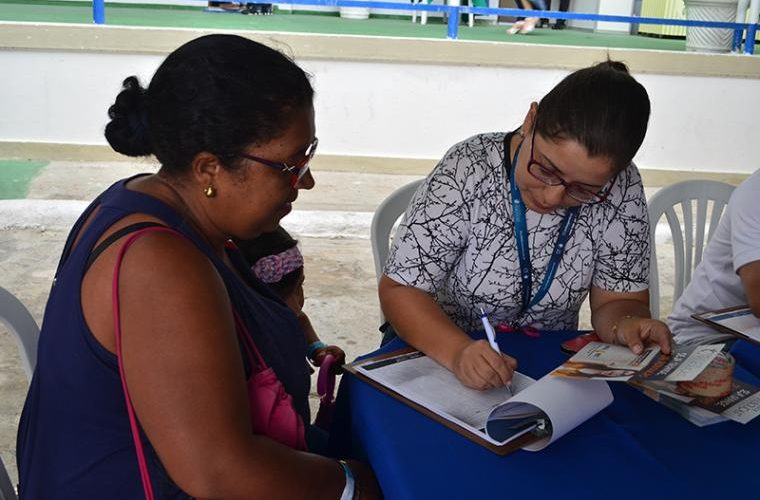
314	347
348	489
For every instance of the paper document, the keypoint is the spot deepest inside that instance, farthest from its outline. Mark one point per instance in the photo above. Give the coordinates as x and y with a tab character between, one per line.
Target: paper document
547	409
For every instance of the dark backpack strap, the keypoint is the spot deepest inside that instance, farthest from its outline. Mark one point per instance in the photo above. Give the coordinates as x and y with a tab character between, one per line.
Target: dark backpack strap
114	237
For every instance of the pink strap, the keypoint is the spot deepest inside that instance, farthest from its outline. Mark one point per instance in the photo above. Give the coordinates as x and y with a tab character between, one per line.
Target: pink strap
326	378
141	462
250	345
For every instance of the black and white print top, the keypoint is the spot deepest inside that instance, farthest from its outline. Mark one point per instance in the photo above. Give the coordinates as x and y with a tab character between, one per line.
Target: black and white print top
457	242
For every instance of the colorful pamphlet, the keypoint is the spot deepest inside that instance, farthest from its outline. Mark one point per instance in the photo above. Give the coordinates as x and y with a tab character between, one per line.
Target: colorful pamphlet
598	360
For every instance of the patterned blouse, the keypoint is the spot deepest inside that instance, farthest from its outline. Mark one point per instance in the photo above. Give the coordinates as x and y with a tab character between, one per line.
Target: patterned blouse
457	242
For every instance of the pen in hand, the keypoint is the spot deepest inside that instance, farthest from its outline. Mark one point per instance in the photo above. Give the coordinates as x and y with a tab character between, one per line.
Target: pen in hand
491	336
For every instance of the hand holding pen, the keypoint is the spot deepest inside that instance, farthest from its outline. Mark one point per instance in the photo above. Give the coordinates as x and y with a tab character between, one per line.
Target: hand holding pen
478	364
491	336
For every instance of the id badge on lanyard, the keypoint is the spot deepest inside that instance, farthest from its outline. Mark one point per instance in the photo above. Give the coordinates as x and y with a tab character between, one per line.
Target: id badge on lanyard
523	249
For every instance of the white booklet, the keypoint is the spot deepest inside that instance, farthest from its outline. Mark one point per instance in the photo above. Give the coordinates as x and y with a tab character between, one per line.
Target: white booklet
738	321
539	412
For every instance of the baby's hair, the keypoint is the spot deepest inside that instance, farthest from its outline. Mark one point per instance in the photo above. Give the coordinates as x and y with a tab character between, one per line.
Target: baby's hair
267	245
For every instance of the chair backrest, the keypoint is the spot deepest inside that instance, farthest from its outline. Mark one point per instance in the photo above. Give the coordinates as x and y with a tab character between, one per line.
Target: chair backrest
21	323
7	491
693	210
386	215
16	317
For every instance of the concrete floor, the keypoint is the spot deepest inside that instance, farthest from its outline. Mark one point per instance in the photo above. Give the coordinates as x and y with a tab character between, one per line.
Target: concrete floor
331	221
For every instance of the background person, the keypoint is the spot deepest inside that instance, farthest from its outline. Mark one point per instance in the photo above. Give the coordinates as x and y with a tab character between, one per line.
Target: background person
526	25
525	225
210	361
728	274
561	24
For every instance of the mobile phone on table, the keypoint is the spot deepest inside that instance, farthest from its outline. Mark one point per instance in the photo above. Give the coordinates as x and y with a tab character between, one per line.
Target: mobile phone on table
575	344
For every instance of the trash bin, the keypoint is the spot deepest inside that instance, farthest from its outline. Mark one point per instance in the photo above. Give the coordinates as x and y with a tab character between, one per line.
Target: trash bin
710	39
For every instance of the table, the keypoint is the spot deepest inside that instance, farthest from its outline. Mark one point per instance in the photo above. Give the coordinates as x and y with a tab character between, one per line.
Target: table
634	449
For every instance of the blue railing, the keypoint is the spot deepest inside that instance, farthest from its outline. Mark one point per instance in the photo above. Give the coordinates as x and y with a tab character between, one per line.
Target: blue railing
453	13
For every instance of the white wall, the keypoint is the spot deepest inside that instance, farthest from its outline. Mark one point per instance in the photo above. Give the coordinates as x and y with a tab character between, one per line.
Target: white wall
393	110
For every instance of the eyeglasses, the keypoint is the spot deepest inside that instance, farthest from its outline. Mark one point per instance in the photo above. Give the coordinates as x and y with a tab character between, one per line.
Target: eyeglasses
550	177
297	170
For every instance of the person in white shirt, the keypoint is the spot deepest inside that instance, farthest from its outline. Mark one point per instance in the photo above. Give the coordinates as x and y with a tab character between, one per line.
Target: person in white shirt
729	273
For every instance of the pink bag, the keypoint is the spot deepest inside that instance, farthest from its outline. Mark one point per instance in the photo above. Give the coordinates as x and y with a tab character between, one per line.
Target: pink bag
272	411
326	391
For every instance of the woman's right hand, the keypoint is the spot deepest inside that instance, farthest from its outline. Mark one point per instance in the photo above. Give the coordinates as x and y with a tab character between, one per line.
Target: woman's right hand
478	366
366	484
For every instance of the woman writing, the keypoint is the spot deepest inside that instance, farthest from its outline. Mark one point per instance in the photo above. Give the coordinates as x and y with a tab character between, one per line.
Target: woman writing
525	225
165	369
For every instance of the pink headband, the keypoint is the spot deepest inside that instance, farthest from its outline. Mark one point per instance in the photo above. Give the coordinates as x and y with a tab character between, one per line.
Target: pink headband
272	268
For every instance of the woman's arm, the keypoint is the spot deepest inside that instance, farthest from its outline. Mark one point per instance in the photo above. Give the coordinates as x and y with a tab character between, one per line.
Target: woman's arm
750	277
744	212
185	376
624	318
419	321
619	294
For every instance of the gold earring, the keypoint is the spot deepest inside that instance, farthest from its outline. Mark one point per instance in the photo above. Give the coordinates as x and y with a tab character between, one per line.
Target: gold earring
210	191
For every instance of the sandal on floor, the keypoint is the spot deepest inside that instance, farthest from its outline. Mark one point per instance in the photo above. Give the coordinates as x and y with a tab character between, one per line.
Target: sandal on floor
529	25
516	28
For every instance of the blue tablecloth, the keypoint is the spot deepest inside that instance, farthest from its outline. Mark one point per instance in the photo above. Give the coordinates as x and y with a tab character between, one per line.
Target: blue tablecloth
634	449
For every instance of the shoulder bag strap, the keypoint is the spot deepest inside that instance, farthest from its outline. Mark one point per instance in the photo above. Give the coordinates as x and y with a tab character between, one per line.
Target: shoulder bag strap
142	464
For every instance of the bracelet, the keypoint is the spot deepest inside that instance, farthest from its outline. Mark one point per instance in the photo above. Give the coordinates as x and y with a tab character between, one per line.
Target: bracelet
314	347
615	326
348	489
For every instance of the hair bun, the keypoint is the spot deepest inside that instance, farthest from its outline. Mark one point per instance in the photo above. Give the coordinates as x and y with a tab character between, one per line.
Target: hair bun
618	66
127	132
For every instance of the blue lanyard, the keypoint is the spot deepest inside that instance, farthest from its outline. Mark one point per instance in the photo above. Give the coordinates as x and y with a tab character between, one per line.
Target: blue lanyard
523	251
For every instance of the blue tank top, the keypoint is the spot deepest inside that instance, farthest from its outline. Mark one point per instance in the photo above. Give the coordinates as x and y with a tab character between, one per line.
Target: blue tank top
74	439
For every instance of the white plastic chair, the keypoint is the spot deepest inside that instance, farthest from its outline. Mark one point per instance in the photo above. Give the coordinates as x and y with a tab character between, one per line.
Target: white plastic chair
386	215
7	491
424	14
20	322
15	316
697	200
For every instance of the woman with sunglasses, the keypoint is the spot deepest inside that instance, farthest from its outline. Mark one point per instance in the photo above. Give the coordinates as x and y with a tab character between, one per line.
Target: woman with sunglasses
165	369
525	225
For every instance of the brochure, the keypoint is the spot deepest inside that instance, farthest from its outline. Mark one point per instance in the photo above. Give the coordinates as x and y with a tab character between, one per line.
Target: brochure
538	413
738	321
601	361
694	414
658	377
741	405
